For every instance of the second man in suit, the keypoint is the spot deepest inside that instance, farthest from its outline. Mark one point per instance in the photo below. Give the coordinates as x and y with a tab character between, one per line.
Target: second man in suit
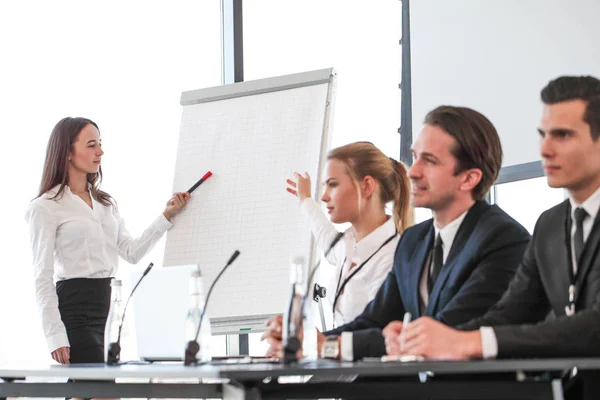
560	271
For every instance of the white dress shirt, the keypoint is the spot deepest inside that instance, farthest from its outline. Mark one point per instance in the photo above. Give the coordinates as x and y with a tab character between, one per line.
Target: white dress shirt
447	233
489	343
71	240
363	286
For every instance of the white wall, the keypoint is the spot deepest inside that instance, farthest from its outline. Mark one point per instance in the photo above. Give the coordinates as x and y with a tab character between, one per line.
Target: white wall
496	56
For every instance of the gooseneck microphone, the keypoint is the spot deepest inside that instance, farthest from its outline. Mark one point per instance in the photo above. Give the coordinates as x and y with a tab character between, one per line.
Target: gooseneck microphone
193	347
292	343
114	348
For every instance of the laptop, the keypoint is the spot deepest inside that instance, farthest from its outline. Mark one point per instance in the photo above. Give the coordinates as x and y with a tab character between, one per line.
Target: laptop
160	305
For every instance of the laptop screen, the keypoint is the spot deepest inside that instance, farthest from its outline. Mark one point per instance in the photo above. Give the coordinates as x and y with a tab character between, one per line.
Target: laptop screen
160	306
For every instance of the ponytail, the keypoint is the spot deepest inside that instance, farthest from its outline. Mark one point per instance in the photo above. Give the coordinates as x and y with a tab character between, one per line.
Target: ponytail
403	213
362	159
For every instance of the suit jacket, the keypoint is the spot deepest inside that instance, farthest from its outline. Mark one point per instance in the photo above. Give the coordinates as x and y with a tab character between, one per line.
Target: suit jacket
540	286
483	259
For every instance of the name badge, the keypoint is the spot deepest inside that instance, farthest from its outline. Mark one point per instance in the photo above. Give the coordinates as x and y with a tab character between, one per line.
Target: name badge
570	310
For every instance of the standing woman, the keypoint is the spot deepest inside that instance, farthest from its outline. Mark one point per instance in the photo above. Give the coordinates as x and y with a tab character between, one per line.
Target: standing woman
76	237
359	181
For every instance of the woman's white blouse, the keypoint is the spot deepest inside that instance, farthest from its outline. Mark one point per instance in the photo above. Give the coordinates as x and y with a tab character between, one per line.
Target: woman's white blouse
363	286
71	240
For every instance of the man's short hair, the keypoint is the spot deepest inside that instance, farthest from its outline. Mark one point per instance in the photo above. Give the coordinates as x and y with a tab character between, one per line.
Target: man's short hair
586	88
477	143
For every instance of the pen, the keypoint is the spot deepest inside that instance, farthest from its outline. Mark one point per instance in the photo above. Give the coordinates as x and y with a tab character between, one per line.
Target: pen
402	358
406	319
405	322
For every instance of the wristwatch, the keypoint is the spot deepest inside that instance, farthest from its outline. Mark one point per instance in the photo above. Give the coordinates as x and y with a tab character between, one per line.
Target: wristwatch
331	347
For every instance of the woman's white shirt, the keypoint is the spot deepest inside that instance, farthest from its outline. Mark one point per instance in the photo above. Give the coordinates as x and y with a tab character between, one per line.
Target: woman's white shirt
363	286
71	240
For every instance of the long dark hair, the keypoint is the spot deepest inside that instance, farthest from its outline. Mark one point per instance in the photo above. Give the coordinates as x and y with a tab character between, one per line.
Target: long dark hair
56	166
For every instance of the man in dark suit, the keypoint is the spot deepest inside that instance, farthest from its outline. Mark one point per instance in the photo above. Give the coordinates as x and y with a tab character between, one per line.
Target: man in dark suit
560	271
452	267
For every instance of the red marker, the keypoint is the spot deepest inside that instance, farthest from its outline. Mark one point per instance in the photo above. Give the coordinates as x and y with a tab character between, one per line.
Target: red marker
205	177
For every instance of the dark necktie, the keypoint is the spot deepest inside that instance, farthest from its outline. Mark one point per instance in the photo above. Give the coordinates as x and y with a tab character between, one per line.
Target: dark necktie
580	216
437	260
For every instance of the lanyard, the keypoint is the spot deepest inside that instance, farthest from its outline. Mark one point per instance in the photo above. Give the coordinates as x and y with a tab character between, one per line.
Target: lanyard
340	285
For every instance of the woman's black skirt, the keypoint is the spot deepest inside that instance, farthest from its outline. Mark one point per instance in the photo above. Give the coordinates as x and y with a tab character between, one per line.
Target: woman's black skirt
83	305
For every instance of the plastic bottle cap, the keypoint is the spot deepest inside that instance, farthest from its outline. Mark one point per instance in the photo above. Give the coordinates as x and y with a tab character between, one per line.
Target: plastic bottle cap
196	273
297	260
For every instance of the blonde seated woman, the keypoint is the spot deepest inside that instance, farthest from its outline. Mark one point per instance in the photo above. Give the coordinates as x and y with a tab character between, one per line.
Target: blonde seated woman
359	181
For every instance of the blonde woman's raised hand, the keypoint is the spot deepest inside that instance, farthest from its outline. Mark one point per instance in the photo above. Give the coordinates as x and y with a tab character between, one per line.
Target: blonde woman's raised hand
299	186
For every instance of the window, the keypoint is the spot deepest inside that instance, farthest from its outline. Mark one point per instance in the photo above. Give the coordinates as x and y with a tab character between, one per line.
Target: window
123	65
359	40
256	347
525	200
422	214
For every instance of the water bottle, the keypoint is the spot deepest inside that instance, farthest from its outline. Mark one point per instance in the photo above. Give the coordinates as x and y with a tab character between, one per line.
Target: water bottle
309	325
195	310
294	315
115	315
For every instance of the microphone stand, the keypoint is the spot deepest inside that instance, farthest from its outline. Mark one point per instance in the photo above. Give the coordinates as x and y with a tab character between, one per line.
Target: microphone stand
319	293
193	347
113	354
292	343
293	316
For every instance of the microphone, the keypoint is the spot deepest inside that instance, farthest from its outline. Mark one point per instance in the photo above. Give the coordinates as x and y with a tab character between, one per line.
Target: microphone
292	343
113	354
193	347
319	292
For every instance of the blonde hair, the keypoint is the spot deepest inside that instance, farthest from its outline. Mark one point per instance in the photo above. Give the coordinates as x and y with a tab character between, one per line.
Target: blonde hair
364	159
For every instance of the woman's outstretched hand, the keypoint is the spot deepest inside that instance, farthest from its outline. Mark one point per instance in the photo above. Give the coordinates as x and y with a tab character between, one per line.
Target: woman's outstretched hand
176	203
300	186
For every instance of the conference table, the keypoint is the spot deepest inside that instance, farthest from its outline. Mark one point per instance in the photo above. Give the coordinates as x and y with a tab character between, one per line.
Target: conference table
240	379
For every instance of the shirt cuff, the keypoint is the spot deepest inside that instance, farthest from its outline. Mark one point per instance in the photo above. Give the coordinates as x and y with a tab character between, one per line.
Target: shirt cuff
309	206
489	343
346	350
57	341
161	224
